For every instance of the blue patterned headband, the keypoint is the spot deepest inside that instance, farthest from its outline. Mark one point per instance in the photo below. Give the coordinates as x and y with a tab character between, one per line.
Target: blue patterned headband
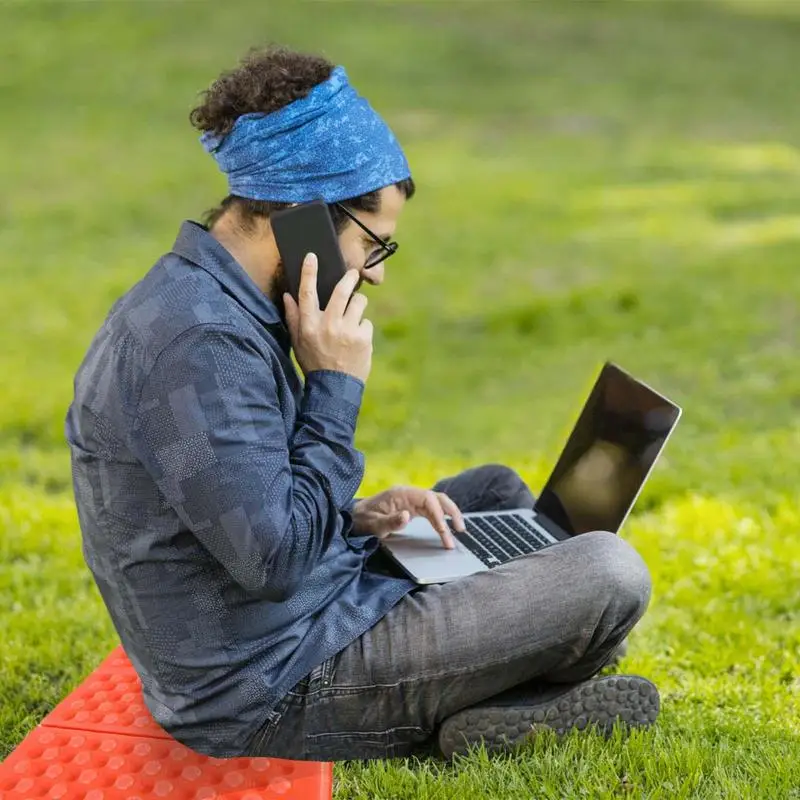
329	145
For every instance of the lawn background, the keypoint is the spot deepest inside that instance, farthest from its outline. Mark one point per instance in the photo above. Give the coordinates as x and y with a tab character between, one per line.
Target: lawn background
596	180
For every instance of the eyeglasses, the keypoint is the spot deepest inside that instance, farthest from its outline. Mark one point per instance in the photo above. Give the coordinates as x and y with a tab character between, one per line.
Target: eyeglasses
387	248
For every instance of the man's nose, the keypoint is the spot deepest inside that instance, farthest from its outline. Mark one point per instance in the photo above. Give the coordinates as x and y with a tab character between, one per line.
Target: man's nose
373	275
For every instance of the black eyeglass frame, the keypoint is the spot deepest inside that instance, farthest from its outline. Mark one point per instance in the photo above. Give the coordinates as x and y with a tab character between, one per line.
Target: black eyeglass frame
389	248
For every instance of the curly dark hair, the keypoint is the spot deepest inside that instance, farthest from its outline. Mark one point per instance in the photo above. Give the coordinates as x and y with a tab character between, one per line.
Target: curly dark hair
266	80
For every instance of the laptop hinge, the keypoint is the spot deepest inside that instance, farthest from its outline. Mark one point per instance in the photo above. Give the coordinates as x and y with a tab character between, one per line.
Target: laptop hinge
546	525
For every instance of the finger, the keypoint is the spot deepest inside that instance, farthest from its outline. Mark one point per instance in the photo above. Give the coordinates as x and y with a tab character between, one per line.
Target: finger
384	524
400	520
435	514
367	328
291	312
342	292
391	522
453	510
358	302
309	301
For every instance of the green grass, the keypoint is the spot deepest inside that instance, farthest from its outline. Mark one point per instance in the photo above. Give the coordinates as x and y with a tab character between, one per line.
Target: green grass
596	180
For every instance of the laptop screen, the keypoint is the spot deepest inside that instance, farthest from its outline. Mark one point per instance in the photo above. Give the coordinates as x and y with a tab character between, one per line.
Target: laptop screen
608	456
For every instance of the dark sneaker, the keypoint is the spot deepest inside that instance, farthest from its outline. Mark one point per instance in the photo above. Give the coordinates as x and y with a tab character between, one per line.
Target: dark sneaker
507	720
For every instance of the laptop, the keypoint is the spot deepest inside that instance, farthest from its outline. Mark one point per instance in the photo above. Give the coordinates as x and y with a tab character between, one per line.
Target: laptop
609	455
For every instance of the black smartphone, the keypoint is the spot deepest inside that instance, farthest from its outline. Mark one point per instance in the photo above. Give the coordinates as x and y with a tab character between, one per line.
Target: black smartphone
303	229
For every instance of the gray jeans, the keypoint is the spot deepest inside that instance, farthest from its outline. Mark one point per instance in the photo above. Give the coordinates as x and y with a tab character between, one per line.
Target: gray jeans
555	616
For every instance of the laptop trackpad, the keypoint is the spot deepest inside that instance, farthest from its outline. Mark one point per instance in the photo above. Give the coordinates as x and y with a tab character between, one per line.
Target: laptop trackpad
421	551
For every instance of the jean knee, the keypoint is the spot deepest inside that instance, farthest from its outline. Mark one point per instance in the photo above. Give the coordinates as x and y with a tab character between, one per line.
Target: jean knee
505	488
489	487
619	571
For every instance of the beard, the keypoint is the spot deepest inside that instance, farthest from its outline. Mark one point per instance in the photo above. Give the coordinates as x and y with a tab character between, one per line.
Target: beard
278	287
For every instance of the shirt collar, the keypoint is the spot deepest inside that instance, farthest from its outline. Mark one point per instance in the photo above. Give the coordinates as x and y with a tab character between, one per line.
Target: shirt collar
196	244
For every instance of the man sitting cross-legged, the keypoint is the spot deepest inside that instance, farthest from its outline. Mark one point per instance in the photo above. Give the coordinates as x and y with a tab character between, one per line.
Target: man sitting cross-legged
215	487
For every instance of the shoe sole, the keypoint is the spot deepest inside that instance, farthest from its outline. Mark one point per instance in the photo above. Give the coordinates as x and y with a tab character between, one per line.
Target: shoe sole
631	701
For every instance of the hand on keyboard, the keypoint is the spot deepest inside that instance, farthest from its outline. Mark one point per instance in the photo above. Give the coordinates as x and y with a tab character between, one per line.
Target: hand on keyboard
391	510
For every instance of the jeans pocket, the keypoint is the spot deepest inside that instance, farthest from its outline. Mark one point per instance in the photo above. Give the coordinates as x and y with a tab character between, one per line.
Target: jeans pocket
320	677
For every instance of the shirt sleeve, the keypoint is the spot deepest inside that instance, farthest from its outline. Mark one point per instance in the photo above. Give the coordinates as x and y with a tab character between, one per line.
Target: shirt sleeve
350	505
262	495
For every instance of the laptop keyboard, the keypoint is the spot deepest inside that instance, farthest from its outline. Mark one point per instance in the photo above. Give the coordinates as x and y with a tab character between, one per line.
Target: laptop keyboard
496	539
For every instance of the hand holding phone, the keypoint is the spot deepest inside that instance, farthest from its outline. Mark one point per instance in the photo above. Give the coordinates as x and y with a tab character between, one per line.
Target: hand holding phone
303	229
337	338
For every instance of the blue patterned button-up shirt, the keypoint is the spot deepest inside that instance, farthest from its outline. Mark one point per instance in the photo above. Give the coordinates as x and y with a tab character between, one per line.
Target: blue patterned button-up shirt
214	492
